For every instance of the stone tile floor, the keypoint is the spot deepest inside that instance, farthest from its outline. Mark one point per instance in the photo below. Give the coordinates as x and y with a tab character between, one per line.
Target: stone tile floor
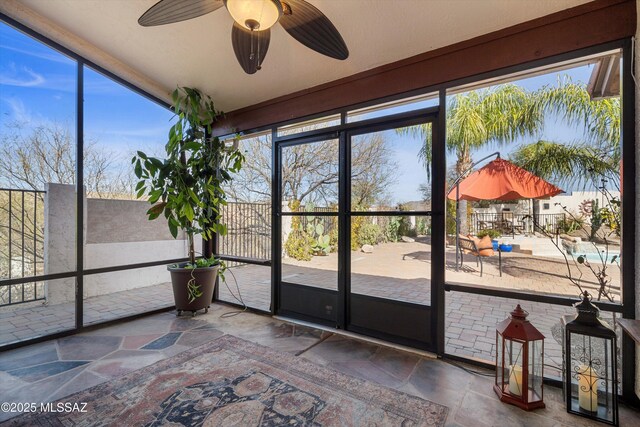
55	369
398	271
469	323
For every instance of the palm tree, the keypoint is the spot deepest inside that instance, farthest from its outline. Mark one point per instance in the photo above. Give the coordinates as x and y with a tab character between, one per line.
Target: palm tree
580	162
566	164
479	118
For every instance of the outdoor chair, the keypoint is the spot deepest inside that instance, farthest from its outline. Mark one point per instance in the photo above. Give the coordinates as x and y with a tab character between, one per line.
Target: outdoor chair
469	246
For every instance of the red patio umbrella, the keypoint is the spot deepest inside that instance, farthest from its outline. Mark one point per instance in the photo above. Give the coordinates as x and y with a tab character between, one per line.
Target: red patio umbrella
502	180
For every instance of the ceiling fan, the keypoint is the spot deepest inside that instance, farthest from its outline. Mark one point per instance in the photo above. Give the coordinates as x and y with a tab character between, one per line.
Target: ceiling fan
251	32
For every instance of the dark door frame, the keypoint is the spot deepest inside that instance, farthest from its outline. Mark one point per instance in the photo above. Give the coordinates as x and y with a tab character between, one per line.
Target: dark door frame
343	133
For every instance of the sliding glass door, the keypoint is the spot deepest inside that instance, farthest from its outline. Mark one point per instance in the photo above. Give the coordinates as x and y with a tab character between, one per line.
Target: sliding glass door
308	212
354	225
389	215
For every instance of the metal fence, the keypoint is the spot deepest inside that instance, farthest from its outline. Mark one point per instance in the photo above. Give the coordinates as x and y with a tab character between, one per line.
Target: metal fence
248	230
509	223
21	244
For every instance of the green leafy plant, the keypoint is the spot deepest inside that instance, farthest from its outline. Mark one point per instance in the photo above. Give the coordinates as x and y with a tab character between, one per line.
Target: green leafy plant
186	187
570	224
493	234
597	220
308	240
320	242
370	234
298	245
451	217
423	227
611	216
392	230
406	228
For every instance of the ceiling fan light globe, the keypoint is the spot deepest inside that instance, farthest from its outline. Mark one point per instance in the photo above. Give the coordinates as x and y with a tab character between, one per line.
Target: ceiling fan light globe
254	14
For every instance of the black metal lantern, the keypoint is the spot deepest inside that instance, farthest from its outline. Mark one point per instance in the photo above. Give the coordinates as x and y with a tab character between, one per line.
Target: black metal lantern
591	374
519	362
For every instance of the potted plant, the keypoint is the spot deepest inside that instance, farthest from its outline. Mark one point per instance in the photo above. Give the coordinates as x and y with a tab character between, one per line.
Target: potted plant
186	188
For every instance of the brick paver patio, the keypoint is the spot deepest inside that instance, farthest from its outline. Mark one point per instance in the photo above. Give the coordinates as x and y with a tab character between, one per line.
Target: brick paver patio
399	271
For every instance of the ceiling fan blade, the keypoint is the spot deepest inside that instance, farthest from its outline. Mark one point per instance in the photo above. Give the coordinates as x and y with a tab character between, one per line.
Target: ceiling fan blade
305	23
169	11
250	47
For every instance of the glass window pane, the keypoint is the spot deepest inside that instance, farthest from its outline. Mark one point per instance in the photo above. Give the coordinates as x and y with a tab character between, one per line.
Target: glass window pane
248	212
309	125
119	122
388	170
310	177
310	255
246	284
393	107
566	137
536	369
391	257
470	326
35	309
37	158
110	296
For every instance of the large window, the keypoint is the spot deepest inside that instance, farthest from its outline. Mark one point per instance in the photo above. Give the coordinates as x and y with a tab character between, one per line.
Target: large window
248	219
117	123
39	194
37	187
560	131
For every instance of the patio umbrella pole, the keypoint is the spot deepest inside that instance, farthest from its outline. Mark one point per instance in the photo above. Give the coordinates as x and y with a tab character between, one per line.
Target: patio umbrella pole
457	185
457	224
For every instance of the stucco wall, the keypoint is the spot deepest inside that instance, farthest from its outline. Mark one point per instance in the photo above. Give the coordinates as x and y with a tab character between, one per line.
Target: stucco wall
117	232
60	240
105	222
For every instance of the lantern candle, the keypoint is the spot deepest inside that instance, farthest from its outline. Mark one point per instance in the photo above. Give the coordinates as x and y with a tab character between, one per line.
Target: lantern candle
587	388
515	380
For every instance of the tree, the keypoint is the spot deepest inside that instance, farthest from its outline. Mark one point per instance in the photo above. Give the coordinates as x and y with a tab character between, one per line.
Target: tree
31	158
565	164
579	162
593	160
583	162
425	191
479	118
310	171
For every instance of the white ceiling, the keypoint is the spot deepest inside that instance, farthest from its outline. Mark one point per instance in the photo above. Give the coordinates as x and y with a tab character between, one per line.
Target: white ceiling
198	52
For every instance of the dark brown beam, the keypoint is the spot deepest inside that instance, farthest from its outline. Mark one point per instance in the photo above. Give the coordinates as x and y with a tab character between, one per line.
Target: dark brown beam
583	26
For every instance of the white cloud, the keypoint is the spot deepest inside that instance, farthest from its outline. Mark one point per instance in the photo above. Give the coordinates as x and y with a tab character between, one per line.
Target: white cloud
41	54
24	77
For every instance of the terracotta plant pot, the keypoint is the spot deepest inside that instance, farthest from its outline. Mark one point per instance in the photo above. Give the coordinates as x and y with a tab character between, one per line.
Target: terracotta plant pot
205	277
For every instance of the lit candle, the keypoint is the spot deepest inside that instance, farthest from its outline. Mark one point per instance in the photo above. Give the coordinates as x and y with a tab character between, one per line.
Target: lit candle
515	380
587	388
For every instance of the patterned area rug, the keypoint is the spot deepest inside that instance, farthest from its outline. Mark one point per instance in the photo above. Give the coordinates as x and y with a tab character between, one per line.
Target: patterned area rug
233	382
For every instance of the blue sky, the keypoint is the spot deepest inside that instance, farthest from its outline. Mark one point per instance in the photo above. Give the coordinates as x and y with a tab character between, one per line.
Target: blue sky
410	172
37	86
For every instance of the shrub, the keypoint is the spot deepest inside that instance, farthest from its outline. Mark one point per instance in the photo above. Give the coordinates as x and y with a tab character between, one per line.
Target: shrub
569	225
356	223
392	230
451	217
493	234
299	246
369	234
333	235
406	229
423	227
